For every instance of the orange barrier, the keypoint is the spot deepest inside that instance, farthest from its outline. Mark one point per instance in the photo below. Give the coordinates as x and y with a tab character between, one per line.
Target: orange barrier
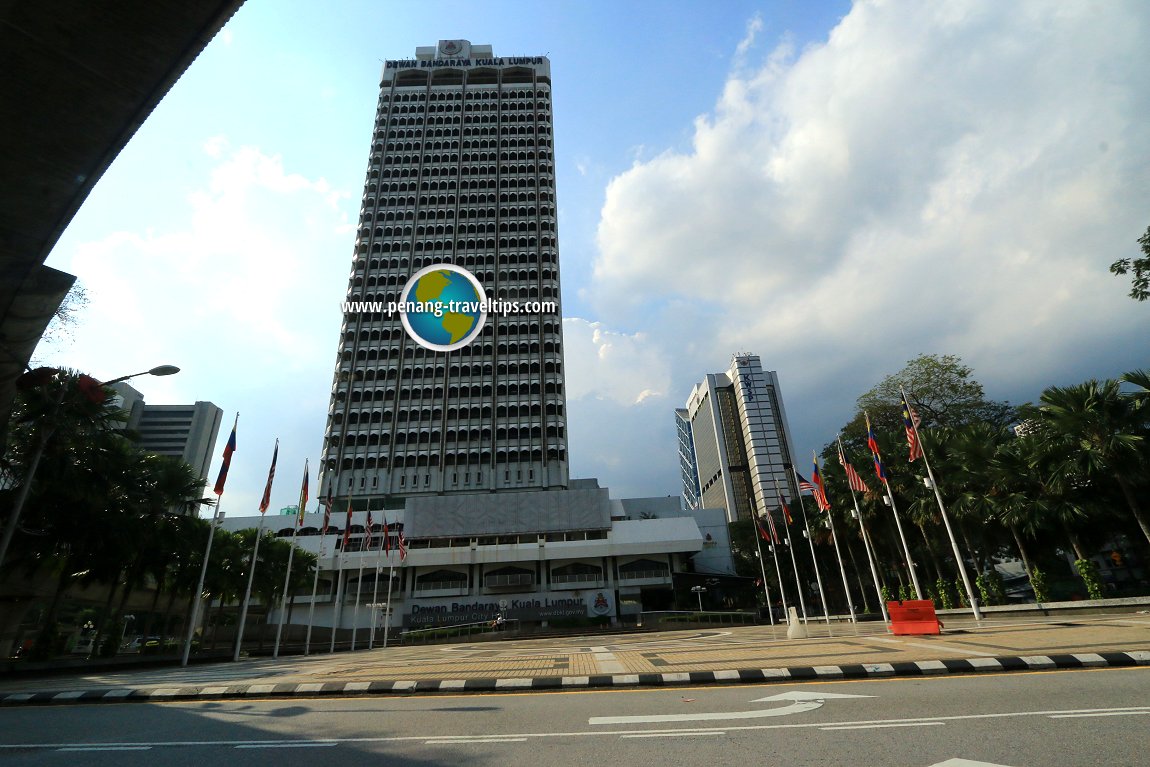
913	616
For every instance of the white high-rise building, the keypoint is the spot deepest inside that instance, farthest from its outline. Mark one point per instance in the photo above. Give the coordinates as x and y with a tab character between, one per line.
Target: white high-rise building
739	448
460	171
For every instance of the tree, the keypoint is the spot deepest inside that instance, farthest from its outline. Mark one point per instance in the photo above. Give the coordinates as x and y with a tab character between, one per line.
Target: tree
1138	267
1103	433
940	389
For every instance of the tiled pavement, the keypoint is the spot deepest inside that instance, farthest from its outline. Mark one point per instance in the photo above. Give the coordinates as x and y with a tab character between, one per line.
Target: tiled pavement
751	654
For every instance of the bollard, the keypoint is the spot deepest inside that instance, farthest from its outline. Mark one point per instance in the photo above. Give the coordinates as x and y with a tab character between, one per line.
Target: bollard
795	627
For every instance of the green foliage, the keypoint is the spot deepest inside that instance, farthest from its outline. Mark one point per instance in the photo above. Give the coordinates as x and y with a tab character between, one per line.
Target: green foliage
887	594
945	591
1139	268
1089	572
940	389
990	588
905	592
1038	583
960	590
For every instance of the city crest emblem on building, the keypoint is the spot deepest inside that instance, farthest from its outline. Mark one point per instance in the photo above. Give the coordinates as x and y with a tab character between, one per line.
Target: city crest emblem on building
450	47
600	606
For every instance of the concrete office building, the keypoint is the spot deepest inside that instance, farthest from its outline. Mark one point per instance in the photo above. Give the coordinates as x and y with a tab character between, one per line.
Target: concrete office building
465	451
187	432
735	442
460	171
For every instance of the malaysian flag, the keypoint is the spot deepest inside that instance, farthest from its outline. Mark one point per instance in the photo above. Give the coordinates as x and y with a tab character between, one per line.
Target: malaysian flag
228	450
820	488
910	421
368	530
872	443
402	544
303	494
267	497
853	479
386	537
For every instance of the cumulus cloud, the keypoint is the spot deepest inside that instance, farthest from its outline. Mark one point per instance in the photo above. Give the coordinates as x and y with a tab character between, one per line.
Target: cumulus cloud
610	365
238	291
940	178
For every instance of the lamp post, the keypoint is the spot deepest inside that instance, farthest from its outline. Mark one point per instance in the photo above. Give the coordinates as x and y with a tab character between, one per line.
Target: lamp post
42	441
699	591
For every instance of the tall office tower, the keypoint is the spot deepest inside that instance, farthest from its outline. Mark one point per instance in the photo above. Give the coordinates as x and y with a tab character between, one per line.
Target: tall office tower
182	431
740	438
687	468
460	171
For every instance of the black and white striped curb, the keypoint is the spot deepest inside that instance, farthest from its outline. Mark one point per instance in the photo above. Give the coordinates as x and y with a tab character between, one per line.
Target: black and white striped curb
735	676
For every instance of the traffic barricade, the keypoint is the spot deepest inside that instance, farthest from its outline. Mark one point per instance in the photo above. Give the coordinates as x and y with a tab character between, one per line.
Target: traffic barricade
913	616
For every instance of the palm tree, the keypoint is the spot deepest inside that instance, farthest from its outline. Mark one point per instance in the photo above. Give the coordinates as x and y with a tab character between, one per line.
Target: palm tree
1103	433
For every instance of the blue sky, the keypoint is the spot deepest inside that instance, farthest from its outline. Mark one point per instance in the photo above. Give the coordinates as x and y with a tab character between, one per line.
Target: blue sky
835	187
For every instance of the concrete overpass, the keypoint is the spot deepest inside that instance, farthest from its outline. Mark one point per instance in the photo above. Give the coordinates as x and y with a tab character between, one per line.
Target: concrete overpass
80	76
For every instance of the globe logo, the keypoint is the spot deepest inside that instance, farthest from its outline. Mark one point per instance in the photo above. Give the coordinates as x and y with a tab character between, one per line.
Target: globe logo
443	307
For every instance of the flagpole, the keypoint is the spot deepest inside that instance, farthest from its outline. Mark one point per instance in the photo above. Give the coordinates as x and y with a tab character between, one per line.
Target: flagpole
387	620
866	540
315	580
284	595
814	562
337	608
265	501
314	589
945	517
217	516
248	591
825	505
898	522
358	594
778	570
291	554
338	611
375	591
794	562
763	571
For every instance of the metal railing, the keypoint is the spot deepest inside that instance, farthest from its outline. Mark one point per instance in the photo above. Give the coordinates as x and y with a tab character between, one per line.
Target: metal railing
577	578
640	574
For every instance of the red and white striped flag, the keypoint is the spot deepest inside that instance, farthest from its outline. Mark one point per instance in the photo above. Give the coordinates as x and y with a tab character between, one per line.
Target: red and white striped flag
368	539
386	537
402	544
853	479
910	421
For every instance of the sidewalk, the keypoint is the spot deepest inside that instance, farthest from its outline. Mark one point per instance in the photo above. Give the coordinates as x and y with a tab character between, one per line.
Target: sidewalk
702	656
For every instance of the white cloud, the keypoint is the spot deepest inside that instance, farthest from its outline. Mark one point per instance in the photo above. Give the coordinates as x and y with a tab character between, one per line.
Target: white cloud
609	365
940	178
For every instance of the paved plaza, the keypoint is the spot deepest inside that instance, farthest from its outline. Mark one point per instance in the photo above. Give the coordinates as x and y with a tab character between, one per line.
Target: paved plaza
704	655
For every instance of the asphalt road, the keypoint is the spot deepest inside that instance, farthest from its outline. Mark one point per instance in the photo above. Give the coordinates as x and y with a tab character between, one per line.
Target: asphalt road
1047	719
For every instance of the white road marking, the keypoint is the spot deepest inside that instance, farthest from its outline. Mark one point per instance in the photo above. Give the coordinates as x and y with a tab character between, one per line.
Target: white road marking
966	763
449	741
1103	713
105	748
691	734
325	744
801	702
880	726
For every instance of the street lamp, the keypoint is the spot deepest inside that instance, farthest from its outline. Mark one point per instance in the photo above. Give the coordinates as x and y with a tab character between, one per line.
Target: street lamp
699	591
42	442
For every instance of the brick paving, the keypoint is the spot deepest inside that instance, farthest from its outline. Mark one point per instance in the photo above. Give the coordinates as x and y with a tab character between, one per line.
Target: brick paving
684	656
